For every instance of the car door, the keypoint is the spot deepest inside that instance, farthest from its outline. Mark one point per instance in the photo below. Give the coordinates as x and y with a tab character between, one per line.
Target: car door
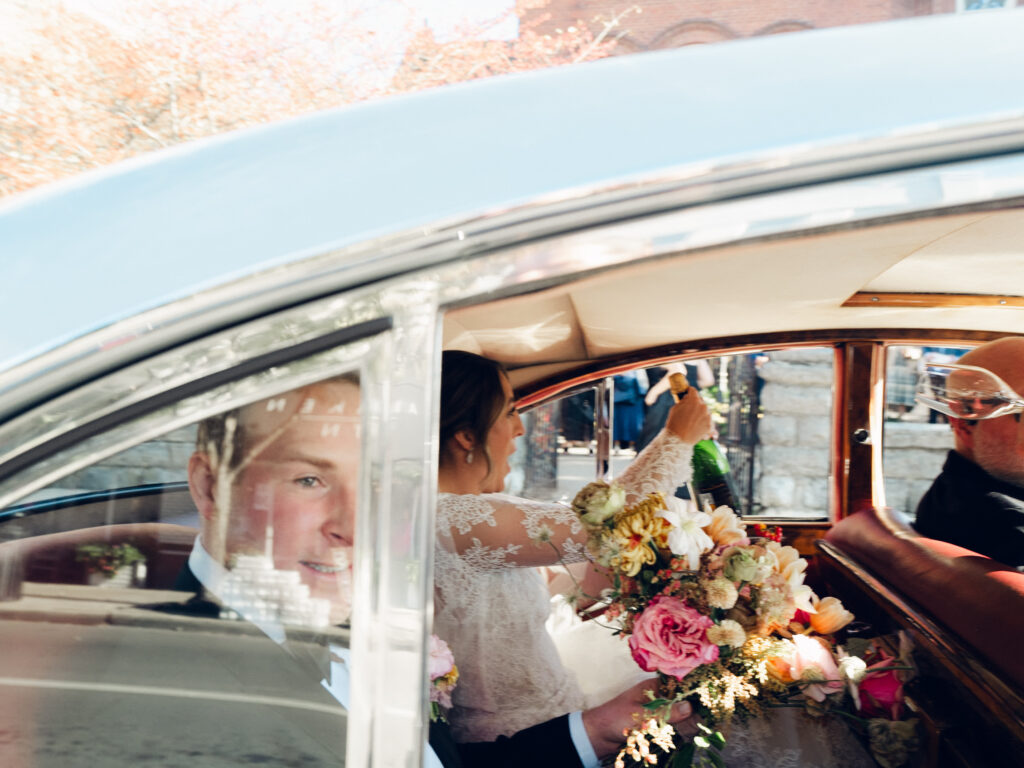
115	655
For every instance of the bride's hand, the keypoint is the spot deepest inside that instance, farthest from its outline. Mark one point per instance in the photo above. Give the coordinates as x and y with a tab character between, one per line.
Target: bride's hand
689	419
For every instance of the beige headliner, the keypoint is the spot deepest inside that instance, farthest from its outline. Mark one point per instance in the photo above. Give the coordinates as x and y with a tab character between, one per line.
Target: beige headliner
794	284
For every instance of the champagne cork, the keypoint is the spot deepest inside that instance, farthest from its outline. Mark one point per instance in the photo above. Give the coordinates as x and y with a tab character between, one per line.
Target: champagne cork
678	384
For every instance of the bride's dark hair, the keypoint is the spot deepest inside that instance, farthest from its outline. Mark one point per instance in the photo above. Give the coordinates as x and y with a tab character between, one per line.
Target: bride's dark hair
471	398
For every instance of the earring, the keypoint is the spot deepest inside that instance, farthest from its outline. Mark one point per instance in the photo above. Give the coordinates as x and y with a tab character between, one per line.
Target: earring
469	457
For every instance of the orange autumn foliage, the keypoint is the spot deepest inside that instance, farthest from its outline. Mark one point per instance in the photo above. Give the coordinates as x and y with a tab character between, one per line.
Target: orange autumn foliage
82	92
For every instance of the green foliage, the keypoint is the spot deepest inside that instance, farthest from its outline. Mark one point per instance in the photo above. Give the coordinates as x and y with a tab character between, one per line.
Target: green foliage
702	751
107	558
657	704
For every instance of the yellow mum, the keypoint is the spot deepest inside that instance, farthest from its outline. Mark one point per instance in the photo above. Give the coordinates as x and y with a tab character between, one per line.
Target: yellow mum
632	538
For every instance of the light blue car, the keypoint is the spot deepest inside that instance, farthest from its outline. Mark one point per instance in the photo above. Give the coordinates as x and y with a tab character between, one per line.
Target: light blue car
805	212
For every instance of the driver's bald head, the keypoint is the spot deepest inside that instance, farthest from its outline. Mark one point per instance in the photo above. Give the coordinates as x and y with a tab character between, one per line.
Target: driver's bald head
1004	357
996	445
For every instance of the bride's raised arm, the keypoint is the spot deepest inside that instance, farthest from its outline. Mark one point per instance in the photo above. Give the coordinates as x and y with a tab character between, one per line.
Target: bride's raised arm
495	530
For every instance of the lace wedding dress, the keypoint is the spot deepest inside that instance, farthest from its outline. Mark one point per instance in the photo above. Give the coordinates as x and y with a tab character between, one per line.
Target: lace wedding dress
491	604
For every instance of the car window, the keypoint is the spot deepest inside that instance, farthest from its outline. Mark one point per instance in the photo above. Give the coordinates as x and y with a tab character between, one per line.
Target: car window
772	411
558	454
916	438
188	600
157	462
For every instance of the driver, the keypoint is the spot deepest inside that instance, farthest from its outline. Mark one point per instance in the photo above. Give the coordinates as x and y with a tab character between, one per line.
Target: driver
977	501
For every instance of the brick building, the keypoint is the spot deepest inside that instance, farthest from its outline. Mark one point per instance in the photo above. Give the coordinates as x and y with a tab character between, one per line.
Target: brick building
655	24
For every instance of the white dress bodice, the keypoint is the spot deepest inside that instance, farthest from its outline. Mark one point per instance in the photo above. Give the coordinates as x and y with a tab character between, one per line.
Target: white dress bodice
491	603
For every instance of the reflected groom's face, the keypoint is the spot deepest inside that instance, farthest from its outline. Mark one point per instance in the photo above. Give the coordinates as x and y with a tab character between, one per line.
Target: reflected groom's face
294	494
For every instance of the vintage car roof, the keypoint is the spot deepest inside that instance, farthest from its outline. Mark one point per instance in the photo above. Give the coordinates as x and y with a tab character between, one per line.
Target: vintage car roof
163	230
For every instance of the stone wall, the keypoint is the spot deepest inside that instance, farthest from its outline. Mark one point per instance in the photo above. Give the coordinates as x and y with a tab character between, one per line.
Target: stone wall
912	456
791	476
163	460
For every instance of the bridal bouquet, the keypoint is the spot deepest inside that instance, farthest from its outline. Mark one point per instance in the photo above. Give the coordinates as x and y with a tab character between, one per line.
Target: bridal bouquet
721	613
444	675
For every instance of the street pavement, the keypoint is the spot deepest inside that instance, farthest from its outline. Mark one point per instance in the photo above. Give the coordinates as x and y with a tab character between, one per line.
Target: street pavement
89	678
578	467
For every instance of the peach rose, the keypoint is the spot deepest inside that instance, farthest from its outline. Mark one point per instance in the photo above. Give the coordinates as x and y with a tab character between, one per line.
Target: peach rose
831	616
814	663
440	660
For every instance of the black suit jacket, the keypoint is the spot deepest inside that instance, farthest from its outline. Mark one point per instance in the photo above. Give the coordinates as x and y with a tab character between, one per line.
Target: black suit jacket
543	745
968	507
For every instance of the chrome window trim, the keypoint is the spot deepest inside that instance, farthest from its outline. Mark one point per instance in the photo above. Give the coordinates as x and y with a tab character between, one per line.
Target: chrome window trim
533	263
558	213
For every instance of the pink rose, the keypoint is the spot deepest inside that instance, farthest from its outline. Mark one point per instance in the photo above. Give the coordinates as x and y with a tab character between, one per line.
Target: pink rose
441	660
671	637
881	692
802	617
814	663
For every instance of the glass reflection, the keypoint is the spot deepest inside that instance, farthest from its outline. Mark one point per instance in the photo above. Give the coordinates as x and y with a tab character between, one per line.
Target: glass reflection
219	642
275	486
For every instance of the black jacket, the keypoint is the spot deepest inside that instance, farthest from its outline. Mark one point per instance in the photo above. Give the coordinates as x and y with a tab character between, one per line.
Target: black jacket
968	507
547	744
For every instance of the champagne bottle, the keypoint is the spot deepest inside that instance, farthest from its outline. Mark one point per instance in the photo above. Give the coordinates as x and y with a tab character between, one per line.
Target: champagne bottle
712	482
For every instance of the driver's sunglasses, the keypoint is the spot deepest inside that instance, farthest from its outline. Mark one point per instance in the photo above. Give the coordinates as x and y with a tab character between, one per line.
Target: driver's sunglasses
967	392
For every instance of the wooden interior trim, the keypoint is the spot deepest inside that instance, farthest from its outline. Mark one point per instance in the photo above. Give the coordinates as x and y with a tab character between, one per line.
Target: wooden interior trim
800	534
1005	705
586	372
932	300
860	365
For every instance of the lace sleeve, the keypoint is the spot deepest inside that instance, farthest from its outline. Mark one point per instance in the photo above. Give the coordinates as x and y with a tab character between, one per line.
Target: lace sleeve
494	530
664	465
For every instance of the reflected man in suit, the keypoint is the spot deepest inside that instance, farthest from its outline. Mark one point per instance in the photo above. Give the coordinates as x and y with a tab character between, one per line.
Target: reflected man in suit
977	501
276	485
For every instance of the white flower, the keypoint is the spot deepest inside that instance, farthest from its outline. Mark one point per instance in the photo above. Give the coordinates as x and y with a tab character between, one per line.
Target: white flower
721	593
687	538
804	597
852	670
729	633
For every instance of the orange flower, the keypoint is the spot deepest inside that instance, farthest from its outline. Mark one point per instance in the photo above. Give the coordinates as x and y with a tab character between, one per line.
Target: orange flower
831	616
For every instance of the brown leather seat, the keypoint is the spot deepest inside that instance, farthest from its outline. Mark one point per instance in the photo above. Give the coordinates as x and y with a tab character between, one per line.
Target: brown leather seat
976	598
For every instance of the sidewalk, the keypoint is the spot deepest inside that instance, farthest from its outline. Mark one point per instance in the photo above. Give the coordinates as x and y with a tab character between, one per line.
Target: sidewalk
88	605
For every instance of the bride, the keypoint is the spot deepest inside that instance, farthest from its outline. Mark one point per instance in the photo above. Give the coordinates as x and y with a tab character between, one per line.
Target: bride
491	604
